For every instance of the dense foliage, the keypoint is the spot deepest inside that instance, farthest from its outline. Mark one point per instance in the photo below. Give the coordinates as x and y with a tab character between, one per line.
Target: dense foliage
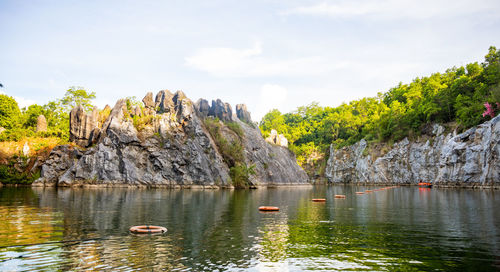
22	123
458	95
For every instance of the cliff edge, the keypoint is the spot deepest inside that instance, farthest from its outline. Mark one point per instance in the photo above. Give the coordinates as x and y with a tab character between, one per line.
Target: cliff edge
168	142
469	159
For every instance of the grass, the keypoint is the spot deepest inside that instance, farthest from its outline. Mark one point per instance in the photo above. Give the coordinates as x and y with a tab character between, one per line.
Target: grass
231	151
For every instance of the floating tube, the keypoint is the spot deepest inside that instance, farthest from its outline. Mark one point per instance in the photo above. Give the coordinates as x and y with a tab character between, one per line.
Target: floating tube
360	193
268	209
339	196
147	229
425	184
368	191
318	200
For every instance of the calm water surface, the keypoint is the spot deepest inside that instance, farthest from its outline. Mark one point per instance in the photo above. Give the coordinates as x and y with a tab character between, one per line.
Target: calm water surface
405	228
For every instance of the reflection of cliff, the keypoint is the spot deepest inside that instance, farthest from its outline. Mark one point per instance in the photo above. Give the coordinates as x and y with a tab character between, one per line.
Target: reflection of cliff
223	230
26	224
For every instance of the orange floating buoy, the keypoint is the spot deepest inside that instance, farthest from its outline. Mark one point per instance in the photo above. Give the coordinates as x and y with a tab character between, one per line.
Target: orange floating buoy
268	209
360	193
339	196
147	229
368	191
318	200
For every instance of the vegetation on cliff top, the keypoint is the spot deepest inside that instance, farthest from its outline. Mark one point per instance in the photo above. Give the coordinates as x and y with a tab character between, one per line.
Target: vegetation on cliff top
457	95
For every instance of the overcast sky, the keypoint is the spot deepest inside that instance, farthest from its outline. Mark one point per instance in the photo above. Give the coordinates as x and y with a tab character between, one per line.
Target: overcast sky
264	53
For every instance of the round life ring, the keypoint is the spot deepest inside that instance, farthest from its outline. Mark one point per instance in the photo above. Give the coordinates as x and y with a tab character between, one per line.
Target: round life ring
268	209
318	200
147	229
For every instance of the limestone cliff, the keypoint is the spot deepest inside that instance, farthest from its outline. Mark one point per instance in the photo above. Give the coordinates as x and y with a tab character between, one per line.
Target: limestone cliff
163	143
469	159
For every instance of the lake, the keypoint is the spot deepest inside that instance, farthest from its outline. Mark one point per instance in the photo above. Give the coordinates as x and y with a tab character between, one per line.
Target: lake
404	228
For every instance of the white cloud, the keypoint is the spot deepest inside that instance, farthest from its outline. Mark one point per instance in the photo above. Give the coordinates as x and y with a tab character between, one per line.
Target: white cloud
230	62
395	9
272	96
21	102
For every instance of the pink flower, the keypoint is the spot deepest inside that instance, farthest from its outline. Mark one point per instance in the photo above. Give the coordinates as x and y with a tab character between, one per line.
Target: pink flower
489	110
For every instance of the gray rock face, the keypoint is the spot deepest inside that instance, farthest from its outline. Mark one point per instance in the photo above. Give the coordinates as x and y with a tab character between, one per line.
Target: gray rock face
163	101
41	123
81	125
148	100
202	107
273	164
221	110
173	149
243	114
468	159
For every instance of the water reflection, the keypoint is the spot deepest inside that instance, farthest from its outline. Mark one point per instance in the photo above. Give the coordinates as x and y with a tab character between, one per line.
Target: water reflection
402	228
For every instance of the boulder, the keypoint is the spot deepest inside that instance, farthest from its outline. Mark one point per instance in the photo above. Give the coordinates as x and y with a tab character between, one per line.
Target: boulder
41	123
243	114
276	139
26	149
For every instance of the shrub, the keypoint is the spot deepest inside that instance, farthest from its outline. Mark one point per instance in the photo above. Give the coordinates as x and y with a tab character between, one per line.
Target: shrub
236	128
240	175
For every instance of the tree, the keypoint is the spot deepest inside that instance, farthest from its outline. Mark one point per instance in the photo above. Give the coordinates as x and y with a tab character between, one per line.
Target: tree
9	112
77	96
31	115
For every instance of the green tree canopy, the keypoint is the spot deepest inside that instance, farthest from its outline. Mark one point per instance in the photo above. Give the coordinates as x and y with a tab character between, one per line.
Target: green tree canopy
31	115
9	112
77	96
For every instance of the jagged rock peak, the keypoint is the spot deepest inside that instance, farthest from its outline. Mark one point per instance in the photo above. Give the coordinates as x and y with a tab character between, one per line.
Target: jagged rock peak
81	125
221	110
148	101
172	149
163	101
243	114
202	107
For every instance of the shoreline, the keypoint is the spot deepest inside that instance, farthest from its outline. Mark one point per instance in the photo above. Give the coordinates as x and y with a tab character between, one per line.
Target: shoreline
473	186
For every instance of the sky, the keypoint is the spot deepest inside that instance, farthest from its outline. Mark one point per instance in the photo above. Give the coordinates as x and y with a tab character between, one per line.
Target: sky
268	54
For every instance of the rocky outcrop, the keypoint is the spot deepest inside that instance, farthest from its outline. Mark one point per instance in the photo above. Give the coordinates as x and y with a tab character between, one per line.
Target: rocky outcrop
171	147
277	139
163	101
221	110
81	125
243	114
471	158
41	123
202	107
